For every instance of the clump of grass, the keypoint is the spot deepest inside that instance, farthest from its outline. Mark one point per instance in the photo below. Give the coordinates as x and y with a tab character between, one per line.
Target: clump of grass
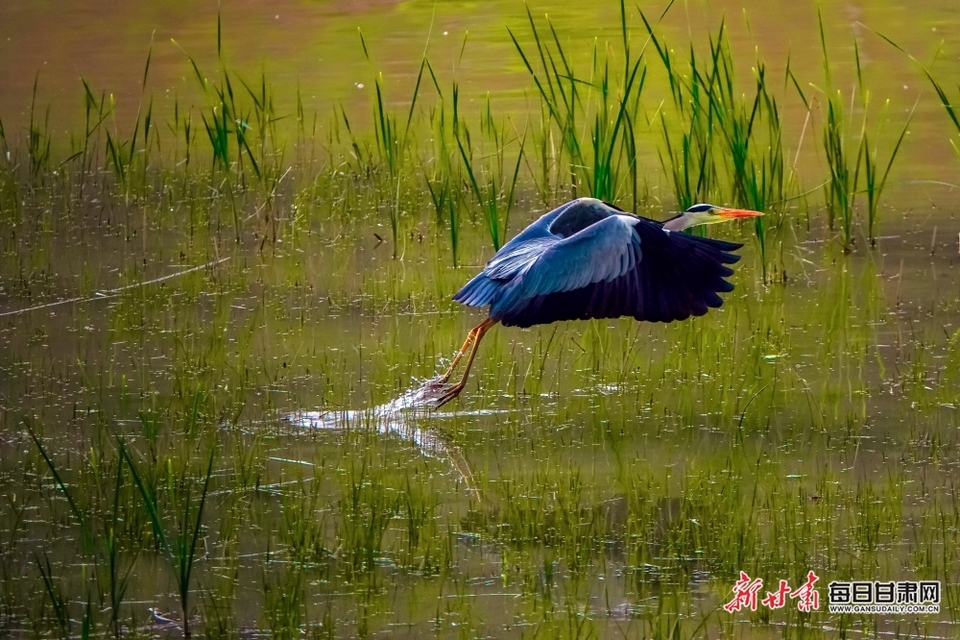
121	154
38	138
690	161
302	532
849	173
244	144
103	549
875	171
496	185
392	143
95	114
841	181
607	111
730	145
367	509
284	604
182	554
440	179
225	120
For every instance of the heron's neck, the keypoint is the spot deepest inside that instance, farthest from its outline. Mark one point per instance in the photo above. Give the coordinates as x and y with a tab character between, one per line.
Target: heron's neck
678	223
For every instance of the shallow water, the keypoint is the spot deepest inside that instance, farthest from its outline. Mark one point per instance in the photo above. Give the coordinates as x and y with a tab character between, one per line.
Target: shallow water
586	450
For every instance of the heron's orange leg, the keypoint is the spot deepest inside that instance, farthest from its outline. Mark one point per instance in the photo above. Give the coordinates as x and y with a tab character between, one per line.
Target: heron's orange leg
479	329
456	359
475	336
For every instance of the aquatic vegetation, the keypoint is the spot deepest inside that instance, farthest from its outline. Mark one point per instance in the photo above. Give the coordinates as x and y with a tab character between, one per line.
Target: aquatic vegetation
725	137
598	160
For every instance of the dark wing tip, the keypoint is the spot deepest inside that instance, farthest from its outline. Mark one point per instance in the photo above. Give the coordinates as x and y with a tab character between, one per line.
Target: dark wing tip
677	276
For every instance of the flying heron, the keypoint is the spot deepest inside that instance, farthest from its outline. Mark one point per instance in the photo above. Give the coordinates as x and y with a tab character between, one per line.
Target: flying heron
590	259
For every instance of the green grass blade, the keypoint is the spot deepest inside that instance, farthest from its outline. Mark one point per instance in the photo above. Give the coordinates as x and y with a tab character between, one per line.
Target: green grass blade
61	485
149	502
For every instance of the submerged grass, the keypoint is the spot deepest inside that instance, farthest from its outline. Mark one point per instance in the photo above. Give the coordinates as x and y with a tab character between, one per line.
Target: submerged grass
182	554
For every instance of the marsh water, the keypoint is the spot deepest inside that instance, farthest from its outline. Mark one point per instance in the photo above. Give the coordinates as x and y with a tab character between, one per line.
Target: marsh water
595	478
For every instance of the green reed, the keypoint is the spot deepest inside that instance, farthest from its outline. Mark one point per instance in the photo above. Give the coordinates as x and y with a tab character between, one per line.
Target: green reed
122	154
689	161
875	172
103	548
946	102
368	510
38	138
717	140
483	166
56	598
95	114
440	175
840	183
730	146
600	154
873	163
852	174
948	106
391	141
496	186
4	144
240	127
119	575
284	605
182	554
61	485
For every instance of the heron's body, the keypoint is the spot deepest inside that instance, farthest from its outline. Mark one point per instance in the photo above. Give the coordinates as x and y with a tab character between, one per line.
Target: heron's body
587	259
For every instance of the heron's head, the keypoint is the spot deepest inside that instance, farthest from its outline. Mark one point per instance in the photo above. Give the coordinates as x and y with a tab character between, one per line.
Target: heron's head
706	214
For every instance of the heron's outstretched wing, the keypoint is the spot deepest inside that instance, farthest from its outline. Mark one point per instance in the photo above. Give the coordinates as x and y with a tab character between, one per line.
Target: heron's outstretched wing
679	276
618	266
545	263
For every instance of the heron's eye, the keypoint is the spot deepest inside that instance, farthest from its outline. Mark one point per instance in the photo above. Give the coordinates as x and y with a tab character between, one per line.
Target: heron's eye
700	208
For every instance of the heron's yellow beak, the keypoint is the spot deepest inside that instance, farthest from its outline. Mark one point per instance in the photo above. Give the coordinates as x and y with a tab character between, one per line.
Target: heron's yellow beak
731	214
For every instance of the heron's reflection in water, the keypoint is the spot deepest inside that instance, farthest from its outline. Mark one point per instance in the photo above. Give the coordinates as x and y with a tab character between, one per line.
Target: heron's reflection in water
401	417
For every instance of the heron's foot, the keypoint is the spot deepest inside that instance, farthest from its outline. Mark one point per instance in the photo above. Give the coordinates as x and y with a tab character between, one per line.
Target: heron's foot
439	392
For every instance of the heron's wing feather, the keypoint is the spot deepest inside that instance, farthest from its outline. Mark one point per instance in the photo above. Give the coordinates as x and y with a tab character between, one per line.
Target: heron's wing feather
586	261
537	261
601	252
678	276
513	259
